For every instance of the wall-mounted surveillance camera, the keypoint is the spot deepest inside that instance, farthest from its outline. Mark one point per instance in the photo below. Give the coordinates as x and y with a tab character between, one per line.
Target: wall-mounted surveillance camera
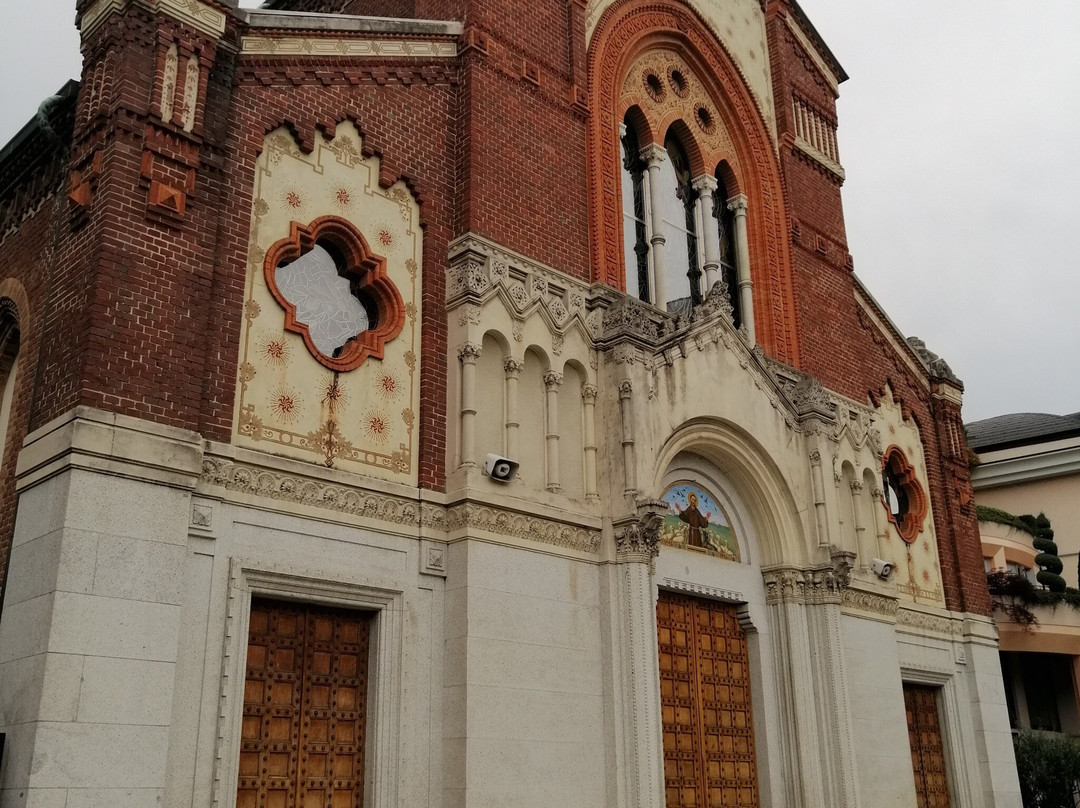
501	469
882	568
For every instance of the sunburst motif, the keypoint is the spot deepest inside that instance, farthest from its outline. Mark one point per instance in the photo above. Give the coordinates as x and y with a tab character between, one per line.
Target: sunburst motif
342	197
385	238
388	386
376	427
285	404
275	351
334	395
293	200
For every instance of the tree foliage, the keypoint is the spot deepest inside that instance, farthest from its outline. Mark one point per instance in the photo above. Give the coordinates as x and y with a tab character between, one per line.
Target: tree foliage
1049	769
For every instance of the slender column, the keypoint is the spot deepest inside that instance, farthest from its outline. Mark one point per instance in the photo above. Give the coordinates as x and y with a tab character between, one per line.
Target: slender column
737	204
818	480
654	155
626	410
552	380
637	543
862	541
705	185
513	368
468	354
588	398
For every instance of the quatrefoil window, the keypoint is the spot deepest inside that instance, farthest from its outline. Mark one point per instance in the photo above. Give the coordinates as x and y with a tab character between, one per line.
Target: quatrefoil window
335	292
904	499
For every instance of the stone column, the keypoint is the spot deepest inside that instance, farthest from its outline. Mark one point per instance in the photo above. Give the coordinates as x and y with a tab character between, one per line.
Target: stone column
552	381
804	609
588	397
705	185
654	155
737	204
514	369
468	354
626	411
637	543
863	544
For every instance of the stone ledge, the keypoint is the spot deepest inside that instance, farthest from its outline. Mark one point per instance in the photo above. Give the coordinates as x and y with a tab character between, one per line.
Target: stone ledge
120	445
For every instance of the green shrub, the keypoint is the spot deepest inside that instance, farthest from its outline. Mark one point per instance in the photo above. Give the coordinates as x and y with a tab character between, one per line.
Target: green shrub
1049	769
984	513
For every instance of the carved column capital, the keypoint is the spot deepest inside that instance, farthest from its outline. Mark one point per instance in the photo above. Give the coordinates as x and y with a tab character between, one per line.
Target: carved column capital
626	388
704	185
638	539
469	352
653	154
738	204
589	392
513	367
552	380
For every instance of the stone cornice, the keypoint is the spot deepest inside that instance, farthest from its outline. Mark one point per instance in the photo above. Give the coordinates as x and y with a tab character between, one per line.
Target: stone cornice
315	46
203	17
329	25
279	484
106	443
1026	469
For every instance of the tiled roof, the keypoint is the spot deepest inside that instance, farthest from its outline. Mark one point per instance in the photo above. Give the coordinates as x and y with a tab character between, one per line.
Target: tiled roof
1020	428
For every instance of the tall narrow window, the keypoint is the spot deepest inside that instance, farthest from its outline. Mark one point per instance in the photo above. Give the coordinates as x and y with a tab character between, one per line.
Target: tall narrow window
680	229
729	269
635	240
9	355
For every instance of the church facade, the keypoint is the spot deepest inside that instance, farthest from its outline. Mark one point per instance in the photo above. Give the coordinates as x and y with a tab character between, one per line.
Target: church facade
468	403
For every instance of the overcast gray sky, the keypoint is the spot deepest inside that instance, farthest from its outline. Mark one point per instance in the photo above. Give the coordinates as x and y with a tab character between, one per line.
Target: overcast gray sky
958	129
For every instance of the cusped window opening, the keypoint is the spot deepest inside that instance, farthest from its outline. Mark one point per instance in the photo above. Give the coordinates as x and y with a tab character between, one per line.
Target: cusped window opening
335	292
635	238
679	227
729	272
328	298
903	497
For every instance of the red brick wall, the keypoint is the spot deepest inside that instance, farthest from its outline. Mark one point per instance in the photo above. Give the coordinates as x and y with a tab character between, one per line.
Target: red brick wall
844	349
25	255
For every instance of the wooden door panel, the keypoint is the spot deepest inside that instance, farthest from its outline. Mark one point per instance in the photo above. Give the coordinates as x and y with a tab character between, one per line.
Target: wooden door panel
705	705
302	734
927	746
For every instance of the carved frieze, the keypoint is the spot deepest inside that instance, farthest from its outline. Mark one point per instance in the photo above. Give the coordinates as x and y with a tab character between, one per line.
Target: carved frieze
805	586
271	484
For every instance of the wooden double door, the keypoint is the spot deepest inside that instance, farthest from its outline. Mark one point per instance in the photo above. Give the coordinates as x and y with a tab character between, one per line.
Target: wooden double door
302	739
927	746
709	758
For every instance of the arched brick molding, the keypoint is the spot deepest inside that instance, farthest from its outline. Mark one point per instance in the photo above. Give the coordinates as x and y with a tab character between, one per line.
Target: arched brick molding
625	31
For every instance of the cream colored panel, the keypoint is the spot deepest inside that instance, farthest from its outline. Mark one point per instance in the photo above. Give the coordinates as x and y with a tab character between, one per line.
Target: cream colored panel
917	571
533	418
287	403
739	25
490	406
571	457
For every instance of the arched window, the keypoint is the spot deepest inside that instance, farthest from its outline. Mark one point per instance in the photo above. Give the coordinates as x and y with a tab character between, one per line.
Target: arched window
9	361
635	240
679	226
729	271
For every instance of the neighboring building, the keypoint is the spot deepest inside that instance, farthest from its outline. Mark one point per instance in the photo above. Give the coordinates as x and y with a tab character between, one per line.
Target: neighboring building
1029	463
277	285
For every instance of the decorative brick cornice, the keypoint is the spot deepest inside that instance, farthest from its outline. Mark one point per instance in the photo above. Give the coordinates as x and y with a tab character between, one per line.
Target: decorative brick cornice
342	47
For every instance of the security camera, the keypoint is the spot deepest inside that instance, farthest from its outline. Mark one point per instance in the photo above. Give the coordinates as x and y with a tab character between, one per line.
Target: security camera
501	469
882	569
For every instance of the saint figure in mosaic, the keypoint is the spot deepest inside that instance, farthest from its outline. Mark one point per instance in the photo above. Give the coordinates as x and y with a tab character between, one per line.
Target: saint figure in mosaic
696	522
